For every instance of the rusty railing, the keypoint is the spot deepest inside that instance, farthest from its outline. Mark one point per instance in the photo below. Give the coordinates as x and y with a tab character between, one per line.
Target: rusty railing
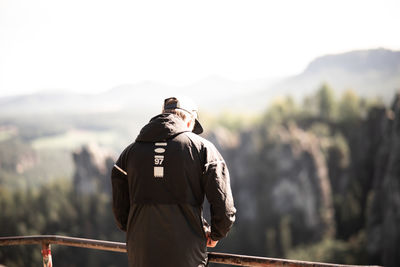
222	258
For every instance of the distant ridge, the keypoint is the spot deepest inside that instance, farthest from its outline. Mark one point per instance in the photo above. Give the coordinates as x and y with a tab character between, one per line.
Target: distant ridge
359	61
370	73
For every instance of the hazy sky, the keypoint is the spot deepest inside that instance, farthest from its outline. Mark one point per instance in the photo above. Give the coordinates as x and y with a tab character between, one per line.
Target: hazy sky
93	45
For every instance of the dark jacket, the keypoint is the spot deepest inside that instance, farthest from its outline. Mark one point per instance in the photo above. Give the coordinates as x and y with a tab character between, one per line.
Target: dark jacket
159	183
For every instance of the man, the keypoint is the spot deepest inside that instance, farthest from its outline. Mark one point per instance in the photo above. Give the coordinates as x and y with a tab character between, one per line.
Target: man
159	183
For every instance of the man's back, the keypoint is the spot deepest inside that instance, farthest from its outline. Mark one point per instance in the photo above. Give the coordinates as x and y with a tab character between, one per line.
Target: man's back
164	176
165	228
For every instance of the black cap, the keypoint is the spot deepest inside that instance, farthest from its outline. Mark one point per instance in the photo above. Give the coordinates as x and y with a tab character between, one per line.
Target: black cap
187	105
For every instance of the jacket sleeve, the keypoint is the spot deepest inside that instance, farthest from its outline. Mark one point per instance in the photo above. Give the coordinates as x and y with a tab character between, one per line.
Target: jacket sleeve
120	191
218	192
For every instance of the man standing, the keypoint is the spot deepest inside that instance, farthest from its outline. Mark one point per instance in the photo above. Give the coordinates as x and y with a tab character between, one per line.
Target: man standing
159	183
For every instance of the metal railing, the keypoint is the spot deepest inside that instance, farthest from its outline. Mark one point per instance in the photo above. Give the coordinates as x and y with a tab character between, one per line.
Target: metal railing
222	258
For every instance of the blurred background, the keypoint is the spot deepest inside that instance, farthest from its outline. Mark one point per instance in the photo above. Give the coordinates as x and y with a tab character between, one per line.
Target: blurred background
300	97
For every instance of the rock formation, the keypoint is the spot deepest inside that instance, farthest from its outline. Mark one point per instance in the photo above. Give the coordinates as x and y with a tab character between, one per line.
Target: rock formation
92	170
384	199
281	187
292	187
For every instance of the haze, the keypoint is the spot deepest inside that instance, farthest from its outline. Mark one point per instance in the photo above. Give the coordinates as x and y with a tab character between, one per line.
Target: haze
93	46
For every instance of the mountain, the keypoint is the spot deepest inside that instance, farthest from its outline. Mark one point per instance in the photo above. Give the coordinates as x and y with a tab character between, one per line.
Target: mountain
369	73
362	61
211	94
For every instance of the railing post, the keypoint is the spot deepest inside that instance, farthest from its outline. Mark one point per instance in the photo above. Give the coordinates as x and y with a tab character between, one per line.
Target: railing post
46	254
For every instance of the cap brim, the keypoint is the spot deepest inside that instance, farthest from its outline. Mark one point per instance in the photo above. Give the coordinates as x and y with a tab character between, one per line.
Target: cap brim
198	129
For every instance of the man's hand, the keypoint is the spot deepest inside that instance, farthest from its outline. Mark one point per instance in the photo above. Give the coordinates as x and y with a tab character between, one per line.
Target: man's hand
210	243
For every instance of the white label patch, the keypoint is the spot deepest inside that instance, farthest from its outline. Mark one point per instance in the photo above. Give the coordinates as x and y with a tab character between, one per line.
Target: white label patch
159	150
158	172
161	144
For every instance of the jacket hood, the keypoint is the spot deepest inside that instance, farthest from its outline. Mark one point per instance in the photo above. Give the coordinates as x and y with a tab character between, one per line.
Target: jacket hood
162	127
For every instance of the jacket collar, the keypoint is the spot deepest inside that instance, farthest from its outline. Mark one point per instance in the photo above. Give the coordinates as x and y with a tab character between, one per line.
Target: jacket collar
162	127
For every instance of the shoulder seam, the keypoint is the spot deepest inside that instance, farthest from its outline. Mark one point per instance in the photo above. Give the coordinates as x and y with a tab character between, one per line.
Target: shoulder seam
121	170
214	162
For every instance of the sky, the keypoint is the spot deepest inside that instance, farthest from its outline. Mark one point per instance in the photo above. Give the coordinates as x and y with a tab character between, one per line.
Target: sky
91	46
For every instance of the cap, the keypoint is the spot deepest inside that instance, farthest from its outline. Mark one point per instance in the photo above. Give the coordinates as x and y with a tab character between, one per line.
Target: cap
187	105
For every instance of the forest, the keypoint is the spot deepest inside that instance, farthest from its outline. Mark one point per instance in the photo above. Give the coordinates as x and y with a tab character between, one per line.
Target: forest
316	180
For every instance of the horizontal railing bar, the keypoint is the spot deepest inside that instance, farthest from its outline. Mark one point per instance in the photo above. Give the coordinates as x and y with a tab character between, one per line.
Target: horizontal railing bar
242	260
222	258
63	240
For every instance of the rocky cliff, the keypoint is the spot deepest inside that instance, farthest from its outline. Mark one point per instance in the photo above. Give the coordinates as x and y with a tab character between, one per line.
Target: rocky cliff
384	199
92	170
281	187
293	186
